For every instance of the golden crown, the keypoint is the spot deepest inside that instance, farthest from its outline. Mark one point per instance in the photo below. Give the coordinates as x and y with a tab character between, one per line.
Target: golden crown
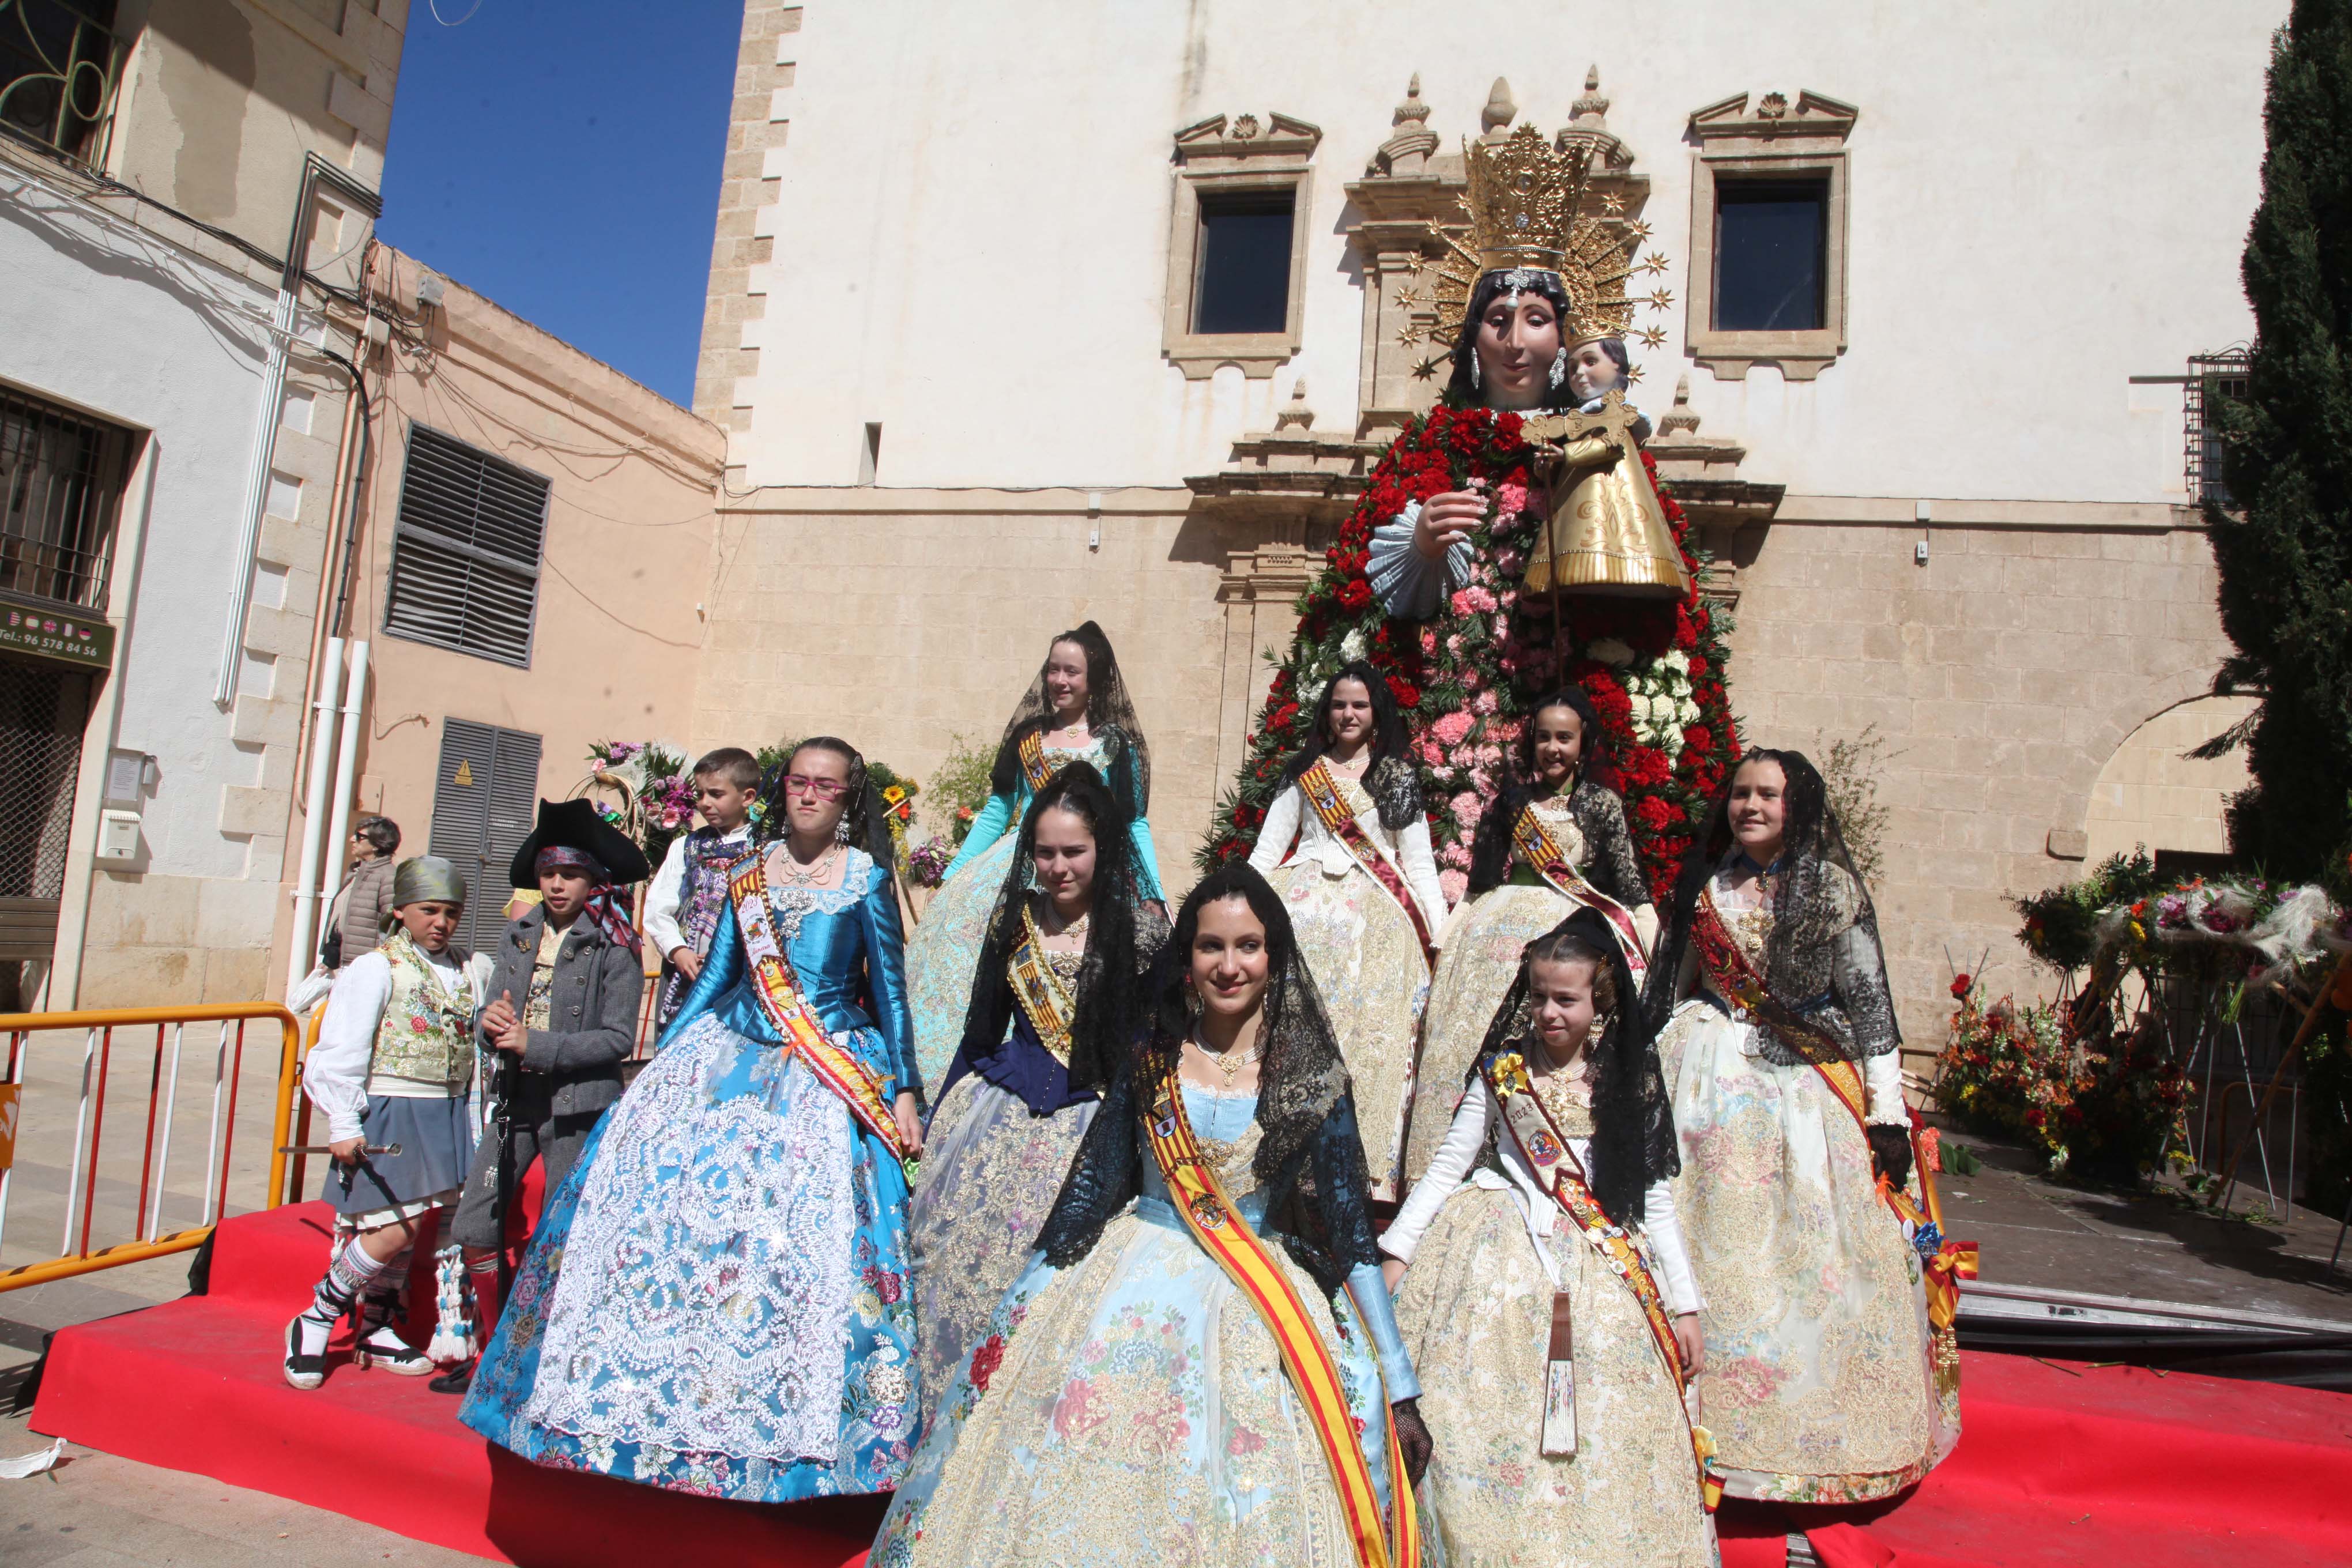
1531	207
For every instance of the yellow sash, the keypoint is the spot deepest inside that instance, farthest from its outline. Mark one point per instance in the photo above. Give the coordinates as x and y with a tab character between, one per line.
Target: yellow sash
780	997
1032	761
1546	1151
1209	1213
1038	990
1321	792
1541	852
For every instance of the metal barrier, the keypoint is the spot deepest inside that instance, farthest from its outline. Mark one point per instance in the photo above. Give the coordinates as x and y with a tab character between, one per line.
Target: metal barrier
149	1240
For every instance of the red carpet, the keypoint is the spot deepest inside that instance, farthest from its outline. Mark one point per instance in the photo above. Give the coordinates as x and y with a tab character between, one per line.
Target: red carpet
2105	1466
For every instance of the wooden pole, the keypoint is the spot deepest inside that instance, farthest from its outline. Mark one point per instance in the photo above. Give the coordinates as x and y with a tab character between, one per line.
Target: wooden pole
2311	1017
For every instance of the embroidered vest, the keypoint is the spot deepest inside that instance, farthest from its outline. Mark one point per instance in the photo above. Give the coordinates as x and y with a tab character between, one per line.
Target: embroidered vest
703	898
427	1032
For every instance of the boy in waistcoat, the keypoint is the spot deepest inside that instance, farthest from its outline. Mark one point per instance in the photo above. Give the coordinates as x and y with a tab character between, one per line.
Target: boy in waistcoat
391	1074
689	892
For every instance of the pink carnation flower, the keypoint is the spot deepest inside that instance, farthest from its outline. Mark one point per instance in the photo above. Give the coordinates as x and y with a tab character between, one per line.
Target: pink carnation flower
1510	499
1467	809
1483	703
1453	884
1450	730
1428	639
1508	561
1455	854
1473	600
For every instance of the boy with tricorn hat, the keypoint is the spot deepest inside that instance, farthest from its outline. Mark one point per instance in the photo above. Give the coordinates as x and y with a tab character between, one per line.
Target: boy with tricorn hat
566	983
391	1071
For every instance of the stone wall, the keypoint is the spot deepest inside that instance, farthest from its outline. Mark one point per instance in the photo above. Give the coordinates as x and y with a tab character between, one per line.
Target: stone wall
2003	674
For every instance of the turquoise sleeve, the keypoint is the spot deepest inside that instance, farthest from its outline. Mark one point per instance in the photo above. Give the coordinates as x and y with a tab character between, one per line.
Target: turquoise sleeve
1146	860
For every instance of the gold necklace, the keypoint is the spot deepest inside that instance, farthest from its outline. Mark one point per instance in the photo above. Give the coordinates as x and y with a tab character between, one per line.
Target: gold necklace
1217	1059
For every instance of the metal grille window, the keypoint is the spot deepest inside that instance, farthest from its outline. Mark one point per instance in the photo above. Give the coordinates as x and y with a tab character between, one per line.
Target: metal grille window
59	71
484	798
2210	377
60	478
42	711
466	550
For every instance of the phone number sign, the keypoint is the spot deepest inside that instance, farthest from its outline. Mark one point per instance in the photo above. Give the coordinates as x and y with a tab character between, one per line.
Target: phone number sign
86	643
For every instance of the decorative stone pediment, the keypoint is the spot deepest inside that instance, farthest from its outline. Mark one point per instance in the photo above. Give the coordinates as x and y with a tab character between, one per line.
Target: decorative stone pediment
1244	136
1814	116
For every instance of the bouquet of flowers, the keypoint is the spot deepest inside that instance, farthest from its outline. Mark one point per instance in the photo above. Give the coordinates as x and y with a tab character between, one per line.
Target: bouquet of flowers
927	863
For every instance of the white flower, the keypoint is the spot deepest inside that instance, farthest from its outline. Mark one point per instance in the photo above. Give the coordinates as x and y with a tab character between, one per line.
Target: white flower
1610	651
1640	706
1351	646
1676	660
1685	712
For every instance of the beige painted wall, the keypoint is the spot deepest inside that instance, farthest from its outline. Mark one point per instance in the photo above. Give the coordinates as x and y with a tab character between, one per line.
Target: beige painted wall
2152	793
628	556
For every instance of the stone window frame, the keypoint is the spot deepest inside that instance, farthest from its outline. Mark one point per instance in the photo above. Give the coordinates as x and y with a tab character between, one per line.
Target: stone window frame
1220	156
1776	141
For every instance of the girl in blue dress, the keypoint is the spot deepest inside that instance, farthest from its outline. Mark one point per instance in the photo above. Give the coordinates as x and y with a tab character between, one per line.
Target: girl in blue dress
1076	710
716	1298
1199	1365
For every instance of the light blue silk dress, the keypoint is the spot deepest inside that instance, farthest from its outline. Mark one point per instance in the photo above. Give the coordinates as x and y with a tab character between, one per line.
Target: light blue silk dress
1132	1410
717	1299
945	951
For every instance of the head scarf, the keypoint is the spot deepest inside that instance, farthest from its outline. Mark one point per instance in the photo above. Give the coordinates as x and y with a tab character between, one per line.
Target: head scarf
1634	1140
1113	999
603	909
426	878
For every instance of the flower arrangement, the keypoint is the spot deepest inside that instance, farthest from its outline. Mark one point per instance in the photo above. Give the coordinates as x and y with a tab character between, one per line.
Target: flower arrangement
2007	1069
657	779
1655	670
927	863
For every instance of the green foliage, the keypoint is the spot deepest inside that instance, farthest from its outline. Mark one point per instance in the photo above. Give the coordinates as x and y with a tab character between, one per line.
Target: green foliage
1850	770
960	786
2287	560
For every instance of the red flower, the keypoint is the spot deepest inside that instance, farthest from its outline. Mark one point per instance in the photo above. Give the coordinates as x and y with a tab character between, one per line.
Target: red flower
1960	983
984	1361
1406	693
1651	812
1356	594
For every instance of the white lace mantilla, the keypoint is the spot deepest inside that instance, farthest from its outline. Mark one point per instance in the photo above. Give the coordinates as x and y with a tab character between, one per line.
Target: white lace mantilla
703	1301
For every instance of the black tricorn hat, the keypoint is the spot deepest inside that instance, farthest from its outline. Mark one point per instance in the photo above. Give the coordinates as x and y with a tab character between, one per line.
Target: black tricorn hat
574	825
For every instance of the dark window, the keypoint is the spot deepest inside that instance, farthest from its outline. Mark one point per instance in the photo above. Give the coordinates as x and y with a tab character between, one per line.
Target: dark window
484	798
466	550
1243	285
59	69
1771	252
60	477
2212	379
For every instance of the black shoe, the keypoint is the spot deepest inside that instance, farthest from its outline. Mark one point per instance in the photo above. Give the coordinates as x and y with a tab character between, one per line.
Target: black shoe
457	1380
303	1372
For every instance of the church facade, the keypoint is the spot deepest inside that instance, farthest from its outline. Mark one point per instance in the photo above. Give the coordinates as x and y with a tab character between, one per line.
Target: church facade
1056	311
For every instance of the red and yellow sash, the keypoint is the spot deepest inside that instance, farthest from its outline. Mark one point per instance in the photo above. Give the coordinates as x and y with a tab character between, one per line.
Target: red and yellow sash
1736	980
1223	1232
1542	853
780	996
1321	792
1032	761
1038	990
1546	1151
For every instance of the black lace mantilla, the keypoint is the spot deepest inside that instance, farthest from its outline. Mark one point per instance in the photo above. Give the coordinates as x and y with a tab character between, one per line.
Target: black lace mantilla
1599	812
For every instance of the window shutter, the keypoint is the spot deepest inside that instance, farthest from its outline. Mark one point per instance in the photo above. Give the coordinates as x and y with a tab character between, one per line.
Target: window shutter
513	808
485	797
466	550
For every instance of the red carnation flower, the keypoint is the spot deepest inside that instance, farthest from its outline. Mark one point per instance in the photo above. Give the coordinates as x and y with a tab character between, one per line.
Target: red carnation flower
1651	812
1406	693
1356	594
1960	983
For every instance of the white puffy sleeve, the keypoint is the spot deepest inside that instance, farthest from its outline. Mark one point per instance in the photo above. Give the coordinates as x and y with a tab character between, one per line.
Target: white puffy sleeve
1276	833
1418	861
1677	1286
335	1073
1446	1169
1882	1076
1411	587
662	900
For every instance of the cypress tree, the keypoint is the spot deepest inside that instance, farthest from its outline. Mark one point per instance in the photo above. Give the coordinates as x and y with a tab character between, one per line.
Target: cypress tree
2285	561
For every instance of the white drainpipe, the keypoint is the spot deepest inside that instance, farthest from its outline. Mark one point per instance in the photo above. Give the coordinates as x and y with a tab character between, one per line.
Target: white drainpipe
329	688
347	782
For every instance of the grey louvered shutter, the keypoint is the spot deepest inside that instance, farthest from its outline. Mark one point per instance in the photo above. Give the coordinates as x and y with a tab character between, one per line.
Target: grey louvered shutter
485	796
466	550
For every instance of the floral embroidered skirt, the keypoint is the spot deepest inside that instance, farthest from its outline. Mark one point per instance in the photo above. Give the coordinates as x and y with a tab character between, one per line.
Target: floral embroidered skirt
1820	1383
1475	969
944	953
1366	958
990	1172
1133	1412
1475	1313
715	1300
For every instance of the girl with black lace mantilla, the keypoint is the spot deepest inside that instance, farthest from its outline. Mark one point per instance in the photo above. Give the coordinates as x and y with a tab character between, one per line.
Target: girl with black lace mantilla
1552	840
1549	1306
1199	1365
1825	1381
1077	710
1060	996
1362	891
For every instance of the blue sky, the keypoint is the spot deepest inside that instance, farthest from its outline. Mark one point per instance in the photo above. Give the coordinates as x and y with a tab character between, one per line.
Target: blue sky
562	157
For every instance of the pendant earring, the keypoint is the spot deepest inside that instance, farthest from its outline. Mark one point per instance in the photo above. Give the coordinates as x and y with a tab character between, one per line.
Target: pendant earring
841	829
1473	367
1560	365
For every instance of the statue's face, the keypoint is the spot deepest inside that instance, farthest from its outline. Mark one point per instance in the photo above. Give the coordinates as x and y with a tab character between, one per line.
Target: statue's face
1517	343
1590	372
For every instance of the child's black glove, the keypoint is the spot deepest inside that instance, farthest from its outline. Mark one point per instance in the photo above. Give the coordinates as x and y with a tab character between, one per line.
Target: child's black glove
1890	1153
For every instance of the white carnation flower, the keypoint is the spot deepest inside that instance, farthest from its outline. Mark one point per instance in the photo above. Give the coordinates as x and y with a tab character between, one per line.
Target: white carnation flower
1685	712
1311	694
1351	646
1676	660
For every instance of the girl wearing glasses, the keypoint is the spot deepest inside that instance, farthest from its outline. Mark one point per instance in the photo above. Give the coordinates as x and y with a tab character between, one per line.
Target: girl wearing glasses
718	1301
1076	710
